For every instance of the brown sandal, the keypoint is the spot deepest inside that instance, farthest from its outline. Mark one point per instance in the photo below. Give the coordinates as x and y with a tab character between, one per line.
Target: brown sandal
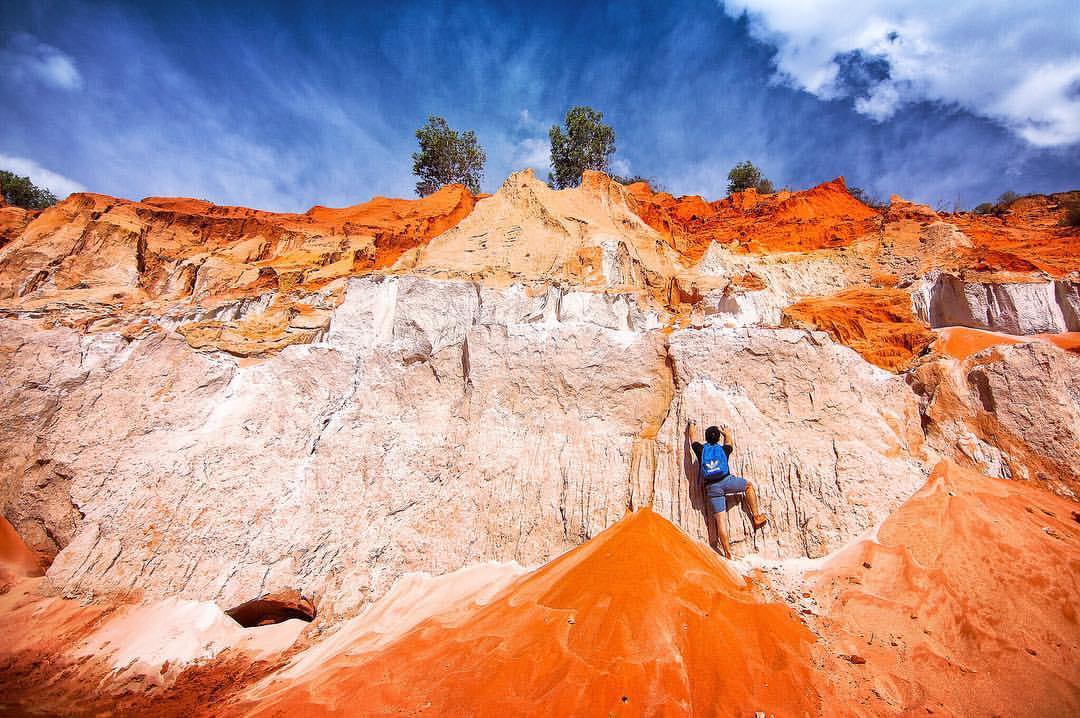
759	521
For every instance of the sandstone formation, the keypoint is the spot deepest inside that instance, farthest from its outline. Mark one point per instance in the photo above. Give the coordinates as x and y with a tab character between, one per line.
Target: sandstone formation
1011	410
349	429
1027	307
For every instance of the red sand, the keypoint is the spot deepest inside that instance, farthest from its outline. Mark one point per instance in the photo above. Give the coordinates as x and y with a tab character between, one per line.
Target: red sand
16	558
876	322
967	605
962	342
641	620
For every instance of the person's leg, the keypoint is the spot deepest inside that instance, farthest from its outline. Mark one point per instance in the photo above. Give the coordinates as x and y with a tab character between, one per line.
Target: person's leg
733	484
721	532
759	518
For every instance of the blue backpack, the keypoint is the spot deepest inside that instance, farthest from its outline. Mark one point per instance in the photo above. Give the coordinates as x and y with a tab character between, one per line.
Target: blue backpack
714	466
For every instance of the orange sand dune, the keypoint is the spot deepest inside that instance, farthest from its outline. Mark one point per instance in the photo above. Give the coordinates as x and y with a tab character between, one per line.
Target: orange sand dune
962	342
640	620
877	323
967	604
821	217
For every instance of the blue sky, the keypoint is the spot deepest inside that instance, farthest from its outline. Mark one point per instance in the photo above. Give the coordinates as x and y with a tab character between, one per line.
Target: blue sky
276	107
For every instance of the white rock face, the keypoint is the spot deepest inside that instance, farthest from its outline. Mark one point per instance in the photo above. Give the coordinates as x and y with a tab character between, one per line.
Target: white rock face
945	300
441	423
788	277
829	441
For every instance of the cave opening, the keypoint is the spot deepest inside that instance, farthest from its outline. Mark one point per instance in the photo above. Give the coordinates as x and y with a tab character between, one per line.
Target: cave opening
273	608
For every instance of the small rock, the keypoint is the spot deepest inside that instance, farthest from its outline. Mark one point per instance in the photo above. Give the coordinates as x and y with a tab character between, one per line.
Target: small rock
857	660
866	564
1031	651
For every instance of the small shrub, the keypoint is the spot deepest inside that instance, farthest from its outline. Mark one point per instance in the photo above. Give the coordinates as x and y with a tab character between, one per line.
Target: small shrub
744	176
866	198
654	184
1072	215
21	192
1006	199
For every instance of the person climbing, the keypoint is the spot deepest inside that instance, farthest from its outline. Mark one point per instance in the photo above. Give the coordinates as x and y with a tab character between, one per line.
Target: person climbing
717	482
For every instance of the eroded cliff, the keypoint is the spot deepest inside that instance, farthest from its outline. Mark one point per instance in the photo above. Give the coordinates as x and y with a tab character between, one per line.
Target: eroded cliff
212	407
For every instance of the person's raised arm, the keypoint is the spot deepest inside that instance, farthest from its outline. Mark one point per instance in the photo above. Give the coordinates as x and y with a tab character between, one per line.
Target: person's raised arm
691	431
727	437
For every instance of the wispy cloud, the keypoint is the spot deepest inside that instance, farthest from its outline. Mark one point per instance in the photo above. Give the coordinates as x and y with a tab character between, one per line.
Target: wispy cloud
282	110
534	152
25	58
1017	63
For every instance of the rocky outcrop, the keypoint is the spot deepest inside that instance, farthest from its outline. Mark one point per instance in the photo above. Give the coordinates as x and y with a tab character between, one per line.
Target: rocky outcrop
1011	411
826	216
832	443
1028	307
586	236
93	260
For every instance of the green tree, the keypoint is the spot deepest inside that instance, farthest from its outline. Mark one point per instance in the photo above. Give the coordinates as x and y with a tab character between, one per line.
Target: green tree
447	156
585	144
21	192
745	176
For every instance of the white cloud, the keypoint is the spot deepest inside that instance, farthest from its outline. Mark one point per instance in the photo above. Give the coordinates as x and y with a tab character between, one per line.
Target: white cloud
25	57
1017	63
58	184
620	167
533	152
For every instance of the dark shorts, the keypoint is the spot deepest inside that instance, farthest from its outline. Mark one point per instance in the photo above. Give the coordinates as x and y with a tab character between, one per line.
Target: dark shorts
714	493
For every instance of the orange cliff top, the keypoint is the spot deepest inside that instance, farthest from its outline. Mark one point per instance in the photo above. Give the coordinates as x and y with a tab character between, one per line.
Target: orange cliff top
1028	236
397	224
101	263
639	617
826	216
94	248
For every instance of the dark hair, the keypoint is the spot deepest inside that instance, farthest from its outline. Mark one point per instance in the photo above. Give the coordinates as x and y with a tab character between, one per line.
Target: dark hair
712	435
